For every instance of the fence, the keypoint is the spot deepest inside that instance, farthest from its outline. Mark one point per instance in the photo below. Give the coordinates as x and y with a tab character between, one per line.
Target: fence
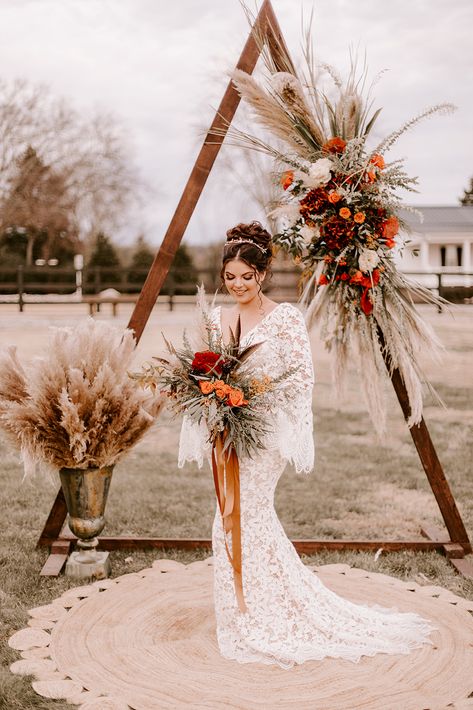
93	286
52	285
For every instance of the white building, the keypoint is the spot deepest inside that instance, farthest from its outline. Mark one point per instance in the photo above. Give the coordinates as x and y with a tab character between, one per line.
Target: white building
442	243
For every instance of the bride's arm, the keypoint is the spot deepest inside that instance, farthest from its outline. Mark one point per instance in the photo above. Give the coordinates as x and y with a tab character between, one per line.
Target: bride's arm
296	425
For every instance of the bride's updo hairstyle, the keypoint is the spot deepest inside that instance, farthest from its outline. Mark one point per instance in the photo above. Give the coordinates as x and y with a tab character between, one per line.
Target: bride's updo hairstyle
250	243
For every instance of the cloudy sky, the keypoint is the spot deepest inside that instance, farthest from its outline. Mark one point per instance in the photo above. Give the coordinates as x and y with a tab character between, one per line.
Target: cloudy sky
160	66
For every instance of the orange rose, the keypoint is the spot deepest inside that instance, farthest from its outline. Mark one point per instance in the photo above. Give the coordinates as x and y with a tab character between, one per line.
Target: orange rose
236	397
334	145
287	178
370	176
334	197
206	387
391	227
359	217
345	213
323	280
390	243
357	277
221	389
378	161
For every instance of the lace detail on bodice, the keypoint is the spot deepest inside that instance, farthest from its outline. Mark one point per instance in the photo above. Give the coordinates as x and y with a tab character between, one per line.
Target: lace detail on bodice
285	347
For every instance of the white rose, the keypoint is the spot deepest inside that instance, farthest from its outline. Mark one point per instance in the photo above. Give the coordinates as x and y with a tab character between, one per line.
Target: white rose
368	259
319	173
300	175
308	233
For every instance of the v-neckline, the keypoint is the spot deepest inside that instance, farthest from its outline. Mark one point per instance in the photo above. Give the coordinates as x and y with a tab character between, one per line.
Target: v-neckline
263	319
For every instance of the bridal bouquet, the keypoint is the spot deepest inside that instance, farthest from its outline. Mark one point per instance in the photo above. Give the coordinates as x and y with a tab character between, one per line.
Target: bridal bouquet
212	385
339	217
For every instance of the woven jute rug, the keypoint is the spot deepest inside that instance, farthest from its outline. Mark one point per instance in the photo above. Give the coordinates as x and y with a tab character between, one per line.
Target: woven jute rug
147	640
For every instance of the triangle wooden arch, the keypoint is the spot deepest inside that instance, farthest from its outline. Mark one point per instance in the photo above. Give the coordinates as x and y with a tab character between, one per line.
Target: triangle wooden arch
455	545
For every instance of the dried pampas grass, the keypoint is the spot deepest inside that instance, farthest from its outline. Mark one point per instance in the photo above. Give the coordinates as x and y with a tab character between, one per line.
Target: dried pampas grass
75	406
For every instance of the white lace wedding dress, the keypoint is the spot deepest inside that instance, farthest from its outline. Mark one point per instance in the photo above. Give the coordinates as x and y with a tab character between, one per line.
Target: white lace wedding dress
292	617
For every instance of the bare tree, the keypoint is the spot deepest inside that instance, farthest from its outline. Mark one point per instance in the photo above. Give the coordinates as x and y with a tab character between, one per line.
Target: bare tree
85	156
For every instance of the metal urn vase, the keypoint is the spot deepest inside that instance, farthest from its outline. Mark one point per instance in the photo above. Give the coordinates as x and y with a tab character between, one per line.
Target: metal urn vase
86	491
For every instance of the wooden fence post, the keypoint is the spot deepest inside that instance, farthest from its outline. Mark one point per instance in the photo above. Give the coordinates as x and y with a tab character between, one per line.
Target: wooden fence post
21	285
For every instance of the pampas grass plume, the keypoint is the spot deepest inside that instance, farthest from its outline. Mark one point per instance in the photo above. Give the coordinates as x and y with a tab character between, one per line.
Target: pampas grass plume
75	406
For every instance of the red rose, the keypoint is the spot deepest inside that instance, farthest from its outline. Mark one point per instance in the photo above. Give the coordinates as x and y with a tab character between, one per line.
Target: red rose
334	145
391	227
323	280
314	202
207	361
365	302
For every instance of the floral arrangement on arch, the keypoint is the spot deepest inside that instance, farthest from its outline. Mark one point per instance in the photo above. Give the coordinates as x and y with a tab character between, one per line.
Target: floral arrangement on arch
341	221
339	217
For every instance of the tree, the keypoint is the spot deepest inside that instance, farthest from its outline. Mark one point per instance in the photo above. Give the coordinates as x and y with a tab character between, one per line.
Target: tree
467	198
143	256
103	265
87	154
183	275
36	211
104	253
141	261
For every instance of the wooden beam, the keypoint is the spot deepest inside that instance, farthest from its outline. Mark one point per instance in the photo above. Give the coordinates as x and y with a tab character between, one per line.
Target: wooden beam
452	550
53	526
56	560
433	468
266	22
301	545
429	459
464	566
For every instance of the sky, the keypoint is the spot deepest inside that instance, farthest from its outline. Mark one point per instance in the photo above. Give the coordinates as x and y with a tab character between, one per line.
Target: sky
161	68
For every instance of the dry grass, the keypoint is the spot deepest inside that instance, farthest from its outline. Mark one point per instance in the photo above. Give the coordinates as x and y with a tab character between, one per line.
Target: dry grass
359	489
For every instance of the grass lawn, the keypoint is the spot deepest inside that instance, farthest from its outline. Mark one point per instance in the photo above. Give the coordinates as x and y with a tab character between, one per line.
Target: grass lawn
359	489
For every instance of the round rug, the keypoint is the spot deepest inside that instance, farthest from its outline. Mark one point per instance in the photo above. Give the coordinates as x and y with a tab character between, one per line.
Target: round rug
147	640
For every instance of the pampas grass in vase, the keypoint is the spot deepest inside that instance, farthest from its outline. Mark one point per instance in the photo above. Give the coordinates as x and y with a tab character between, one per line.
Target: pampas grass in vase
76	410
75	406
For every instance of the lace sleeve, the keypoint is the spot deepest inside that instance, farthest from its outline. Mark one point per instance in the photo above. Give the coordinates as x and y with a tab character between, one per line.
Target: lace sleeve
295	425
194	442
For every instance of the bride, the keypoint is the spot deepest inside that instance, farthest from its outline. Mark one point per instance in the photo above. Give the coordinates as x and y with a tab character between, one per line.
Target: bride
291	616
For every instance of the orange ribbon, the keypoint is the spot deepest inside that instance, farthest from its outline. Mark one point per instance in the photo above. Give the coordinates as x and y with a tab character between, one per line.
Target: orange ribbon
226	472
